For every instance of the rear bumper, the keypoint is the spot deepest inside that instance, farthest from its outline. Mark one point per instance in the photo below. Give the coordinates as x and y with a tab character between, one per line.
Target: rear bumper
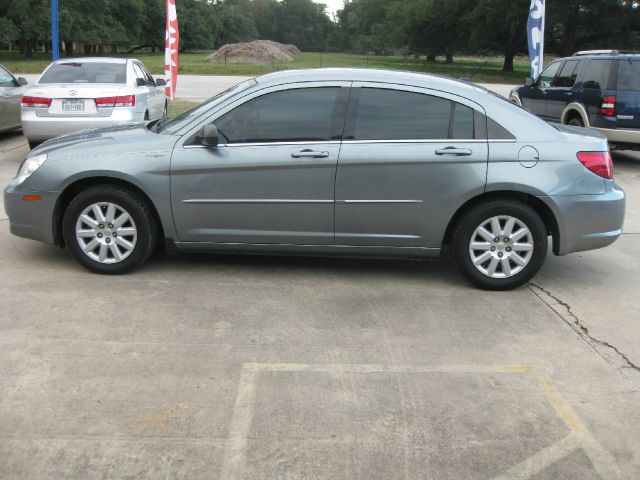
588	222
620	135
43	128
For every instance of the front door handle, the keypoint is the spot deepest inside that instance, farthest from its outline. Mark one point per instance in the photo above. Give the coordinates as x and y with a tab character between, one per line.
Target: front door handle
309	154
457	152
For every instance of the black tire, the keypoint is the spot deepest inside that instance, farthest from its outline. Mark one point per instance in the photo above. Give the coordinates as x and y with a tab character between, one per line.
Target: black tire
483	212
138	209
576	122
165	111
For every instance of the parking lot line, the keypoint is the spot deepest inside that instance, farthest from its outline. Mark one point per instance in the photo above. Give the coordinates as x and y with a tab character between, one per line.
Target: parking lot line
578	438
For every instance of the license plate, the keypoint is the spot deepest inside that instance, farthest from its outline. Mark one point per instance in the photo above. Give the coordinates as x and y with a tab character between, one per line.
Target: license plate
73	105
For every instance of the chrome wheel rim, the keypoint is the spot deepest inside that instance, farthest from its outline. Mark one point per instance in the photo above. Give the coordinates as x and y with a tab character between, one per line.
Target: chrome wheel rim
106	233
501	246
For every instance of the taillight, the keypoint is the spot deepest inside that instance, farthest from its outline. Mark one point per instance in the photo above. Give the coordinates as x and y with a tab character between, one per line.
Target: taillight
608	108
39	102
122	101
599	163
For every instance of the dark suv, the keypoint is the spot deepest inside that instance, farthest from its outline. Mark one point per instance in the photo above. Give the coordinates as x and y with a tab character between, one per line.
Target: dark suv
599	89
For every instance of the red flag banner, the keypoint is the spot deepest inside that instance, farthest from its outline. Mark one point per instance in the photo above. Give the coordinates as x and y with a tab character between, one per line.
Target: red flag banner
171	47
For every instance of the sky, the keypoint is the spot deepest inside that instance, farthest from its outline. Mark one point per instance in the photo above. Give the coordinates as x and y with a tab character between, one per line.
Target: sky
332	5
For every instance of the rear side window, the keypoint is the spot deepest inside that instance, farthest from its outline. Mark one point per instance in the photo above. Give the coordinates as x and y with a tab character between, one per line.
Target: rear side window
629	75
385	114
488	128
304	114
85	72
567	76
597	75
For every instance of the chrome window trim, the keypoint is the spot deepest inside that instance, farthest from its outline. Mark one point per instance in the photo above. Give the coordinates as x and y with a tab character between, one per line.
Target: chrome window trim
354	142
265	144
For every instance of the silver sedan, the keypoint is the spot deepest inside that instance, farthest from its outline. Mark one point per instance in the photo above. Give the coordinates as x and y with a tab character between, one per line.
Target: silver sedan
82	93
328	162
11	91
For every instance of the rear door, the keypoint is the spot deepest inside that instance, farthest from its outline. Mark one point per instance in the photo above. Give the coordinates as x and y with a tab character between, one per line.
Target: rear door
628	93
408	157
561	91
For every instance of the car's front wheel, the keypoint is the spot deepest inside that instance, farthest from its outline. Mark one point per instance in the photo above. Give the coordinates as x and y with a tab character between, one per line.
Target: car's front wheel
500	244
109	229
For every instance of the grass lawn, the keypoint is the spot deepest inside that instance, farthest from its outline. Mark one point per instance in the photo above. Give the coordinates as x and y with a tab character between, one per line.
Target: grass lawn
487	70
180	106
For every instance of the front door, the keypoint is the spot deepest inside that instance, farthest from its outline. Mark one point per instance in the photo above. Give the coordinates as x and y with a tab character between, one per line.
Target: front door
408	158
536	98
271	178
561	91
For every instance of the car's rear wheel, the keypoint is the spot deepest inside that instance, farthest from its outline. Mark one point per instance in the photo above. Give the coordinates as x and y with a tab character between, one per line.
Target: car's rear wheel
500	244
109	229
576	122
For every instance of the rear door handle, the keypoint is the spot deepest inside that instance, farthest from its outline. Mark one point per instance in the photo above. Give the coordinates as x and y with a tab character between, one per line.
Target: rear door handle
309	154
457	152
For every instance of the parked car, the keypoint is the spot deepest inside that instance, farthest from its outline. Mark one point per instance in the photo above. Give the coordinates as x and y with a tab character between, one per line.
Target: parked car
82	93
11	90
599	89
330	162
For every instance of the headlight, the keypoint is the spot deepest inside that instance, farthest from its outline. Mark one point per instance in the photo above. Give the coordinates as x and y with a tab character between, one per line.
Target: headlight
29	165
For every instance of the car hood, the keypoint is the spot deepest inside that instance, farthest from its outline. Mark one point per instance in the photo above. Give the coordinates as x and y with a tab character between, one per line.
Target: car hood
123	138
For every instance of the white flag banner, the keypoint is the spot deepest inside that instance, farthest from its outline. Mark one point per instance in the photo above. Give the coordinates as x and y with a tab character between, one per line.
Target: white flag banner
535	37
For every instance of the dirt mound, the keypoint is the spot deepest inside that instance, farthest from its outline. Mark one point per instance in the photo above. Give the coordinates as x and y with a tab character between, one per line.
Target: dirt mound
258	51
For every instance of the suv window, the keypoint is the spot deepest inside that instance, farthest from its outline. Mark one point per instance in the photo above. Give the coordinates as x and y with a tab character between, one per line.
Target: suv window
597	75
567	76
385	114
304	114
546	77
629	75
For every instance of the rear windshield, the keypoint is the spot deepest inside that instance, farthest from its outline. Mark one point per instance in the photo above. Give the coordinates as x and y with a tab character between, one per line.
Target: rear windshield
629	75
85	72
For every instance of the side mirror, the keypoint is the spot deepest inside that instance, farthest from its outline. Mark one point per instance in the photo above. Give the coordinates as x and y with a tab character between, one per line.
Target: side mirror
208	136
528	82
160	82
22	81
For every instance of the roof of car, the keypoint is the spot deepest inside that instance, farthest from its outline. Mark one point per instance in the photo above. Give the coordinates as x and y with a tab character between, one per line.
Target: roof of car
416	79
94	60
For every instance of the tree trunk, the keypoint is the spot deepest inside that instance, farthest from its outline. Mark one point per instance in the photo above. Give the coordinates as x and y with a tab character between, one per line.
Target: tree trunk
431	57
22	46
114	49
29	50
68	44
508	62
87	49
449	55
101	50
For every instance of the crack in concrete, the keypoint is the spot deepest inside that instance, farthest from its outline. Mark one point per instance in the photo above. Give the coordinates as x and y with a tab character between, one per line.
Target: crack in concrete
579	327
14	148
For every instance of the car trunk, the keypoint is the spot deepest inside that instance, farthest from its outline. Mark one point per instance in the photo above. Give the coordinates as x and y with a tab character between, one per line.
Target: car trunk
75	99
628	94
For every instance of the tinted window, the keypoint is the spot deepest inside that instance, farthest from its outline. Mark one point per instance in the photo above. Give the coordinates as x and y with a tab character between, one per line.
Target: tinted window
597	75
462	125
397	115
81	72
141	78
148	77
304	114
568	74
497	131
546	77
629	75
6	79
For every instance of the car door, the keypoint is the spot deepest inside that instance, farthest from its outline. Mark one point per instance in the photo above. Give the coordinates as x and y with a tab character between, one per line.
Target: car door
271	178
560	93
156	94
10	95
409	159
536	101
143	93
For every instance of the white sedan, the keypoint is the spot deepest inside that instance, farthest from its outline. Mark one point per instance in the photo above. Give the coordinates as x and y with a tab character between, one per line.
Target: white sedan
81	93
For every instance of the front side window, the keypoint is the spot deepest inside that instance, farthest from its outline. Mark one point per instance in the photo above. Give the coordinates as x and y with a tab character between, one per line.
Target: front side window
597	75
546	77
85	72
399	115
297	115
6	79
567	76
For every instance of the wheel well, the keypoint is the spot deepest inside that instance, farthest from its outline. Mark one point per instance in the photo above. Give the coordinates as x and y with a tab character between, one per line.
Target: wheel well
72	190
571	114
538	205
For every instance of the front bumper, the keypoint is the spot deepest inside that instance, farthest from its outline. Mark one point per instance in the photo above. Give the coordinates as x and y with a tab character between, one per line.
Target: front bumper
588	222
30	219
37	128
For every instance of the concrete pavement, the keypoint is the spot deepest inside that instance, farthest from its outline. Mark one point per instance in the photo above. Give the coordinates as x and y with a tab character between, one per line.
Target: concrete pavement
269	367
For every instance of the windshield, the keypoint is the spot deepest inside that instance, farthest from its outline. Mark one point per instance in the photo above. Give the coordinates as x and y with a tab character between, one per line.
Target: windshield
175	124
85	72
